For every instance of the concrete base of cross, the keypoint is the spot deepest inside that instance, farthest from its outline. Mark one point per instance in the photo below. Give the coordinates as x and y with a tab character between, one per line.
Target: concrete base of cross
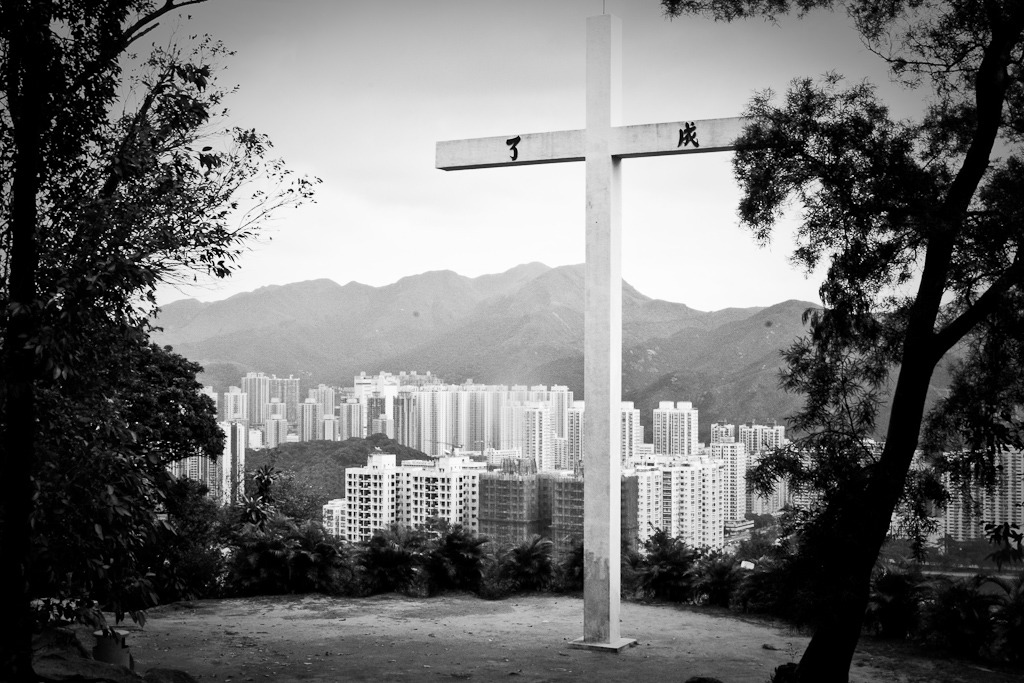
617	646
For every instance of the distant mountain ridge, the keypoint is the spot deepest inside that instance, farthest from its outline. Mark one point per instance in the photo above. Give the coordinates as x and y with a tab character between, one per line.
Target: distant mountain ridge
523	326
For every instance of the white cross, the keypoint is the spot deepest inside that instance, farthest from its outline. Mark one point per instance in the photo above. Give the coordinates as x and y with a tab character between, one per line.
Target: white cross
602	144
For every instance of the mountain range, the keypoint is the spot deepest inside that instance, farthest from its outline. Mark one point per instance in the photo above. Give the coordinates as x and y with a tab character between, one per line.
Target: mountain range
523	326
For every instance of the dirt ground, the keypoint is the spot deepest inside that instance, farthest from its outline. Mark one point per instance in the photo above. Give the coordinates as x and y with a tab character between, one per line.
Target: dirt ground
395	638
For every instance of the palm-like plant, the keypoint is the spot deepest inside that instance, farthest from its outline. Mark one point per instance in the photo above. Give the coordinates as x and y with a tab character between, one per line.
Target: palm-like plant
528	566
393	560
714	577
457	560
665	571
895	602
570	568
1009	620
958	615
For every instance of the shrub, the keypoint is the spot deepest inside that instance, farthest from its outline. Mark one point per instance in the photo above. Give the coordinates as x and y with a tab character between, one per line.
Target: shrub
285	557
456	560
714	578
393	560
664	572
1009	621
570	569
957	615
528	566
894	603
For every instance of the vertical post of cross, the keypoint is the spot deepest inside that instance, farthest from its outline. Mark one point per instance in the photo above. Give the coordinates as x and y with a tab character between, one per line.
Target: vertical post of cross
603	339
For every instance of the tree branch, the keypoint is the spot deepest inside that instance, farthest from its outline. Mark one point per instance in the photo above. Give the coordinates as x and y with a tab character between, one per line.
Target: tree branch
982	308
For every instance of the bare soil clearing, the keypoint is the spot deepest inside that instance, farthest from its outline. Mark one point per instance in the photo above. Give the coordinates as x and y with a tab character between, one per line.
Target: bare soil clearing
524	639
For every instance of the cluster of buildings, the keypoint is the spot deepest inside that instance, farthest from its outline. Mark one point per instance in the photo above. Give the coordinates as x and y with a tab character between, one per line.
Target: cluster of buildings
507	461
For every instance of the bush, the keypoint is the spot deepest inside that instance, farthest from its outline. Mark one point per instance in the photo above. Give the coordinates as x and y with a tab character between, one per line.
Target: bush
285	557
570	569
894	603
456	561
1009	622
664	572
714	578
393	561
957	616
190	561
528	566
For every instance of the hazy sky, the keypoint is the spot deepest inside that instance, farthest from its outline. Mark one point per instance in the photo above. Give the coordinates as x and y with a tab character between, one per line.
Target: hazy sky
358	92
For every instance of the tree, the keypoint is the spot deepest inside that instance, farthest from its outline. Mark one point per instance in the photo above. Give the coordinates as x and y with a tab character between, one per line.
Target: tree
97	208
102	475
920	226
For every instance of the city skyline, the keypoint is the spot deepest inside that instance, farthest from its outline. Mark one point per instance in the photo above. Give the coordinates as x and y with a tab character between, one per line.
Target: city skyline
358	94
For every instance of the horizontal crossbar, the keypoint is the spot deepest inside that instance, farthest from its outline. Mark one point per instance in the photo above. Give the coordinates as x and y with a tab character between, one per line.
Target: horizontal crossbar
645	140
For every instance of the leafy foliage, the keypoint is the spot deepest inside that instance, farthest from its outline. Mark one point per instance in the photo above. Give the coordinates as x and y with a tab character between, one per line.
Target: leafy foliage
288	557
919	226
97	534
893	609
393	561
528	566
665	573
111	185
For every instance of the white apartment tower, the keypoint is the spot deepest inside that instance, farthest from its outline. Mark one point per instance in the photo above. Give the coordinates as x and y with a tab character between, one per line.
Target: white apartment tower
733	455
722	432
758	438
383	493
650	499
350	420
449	489
1003	504
675	428
231	464
538	435
275	432
235	405
334	517
324	396
371	496
256	387
693	508
310	420
631	432
574	437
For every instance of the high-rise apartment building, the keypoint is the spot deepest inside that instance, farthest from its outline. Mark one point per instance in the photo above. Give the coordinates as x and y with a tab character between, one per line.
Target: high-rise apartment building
324	396
231	464
328	428
675	428
733	455
310	420
722	432
693	508
334	517
256	387
574	436
234	405
350	420
510	505
650	493
287	389
966	515
275	431
383	492
758	438
631	432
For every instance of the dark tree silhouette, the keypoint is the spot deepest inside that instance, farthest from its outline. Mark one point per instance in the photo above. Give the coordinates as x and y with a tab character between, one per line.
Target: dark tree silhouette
97	208
919	223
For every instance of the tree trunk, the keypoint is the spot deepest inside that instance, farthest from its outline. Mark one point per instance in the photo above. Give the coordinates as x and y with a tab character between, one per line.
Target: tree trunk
862	530
26	81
